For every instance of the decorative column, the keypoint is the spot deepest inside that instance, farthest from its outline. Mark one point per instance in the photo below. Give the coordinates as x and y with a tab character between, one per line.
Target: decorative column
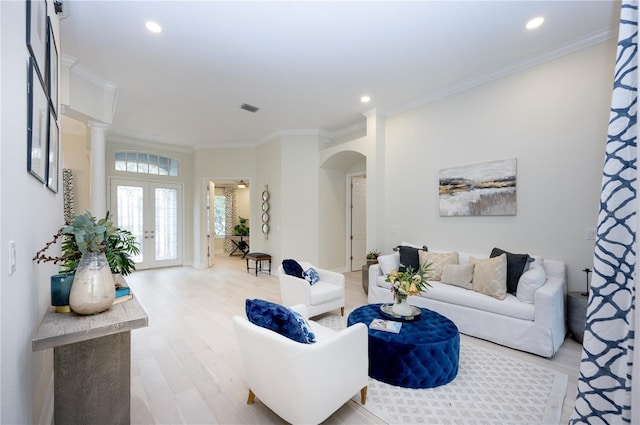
98	186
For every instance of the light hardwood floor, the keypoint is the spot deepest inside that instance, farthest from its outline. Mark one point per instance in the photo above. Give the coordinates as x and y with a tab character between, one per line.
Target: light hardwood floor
186	367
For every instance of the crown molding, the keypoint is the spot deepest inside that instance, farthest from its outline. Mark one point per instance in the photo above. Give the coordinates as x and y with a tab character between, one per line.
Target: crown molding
117	138
568	48
83	72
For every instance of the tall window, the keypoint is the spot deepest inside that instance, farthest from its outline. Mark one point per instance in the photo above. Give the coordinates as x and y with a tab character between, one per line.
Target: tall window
219	207
145	163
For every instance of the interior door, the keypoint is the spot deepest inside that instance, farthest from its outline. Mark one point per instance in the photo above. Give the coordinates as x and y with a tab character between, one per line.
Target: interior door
211	220
358	222
152	212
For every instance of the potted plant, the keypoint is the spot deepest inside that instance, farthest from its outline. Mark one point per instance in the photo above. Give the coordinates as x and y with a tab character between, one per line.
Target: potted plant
372	256
242	229
99	243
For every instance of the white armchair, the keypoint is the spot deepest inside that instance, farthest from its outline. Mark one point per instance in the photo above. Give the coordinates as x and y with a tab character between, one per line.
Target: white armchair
304	383
325	295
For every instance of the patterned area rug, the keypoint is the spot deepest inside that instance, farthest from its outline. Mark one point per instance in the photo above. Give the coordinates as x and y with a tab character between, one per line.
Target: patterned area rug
490	388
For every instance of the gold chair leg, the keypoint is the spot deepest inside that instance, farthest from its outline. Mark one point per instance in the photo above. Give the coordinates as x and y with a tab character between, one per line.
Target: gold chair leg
363	395
341	311
252	397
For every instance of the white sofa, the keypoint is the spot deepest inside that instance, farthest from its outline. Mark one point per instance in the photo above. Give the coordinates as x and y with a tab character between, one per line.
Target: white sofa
537	327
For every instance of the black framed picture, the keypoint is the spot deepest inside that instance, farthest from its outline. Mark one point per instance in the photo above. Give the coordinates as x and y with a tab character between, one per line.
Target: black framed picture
37	33
52	68
37	122
53	151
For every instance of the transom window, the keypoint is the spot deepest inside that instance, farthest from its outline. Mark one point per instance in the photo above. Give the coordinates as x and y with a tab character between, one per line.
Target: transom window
145	163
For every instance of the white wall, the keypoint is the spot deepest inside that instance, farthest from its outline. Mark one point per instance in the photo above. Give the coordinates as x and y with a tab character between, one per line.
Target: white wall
76	156
30	215
299	182
268	174
223	164
552	118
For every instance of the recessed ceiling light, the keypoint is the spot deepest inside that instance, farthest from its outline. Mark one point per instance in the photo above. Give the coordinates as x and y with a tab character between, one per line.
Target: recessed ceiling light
365	99
535	23
153	27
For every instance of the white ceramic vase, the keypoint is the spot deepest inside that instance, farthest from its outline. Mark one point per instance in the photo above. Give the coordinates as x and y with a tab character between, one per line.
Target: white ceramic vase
93	290
401	307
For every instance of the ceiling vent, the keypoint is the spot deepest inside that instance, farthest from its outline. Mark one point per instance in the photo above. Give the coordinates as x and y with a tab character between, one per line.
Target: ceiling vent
249	108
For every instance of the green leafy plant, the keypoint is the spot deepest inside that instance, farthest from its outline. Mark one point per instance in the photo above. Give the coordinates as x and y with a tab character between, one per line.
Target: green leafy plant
84	234
373	254
242	229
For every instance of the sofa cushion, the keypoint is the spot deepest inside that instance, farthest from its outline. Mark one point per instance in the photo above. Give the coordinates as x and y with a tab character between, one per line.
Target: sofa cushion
324	292
409	257
275	317
458	275
389	262
292	268
490	276
438	261
529	283
455	295
311	275
516	265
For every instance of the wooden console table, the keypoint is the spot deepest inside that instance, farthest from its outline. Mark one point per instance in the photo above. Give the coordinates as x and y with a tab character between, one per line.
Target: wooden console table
92	362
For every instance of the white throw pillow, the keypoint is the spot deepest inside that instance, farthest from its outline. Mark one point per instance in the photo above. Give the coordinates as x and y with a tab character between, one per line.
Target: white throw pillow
529	283
458	275
438	261
490	276
389	262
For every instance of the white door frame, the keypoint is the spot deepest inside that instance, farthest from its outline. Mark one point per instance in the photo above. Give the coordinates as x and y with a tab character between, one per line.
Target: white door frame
349	178
151	263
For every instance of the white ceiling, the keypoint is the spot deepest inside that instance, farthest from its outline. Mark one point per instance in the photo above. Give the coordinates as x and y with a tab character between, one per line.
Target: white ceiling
306	64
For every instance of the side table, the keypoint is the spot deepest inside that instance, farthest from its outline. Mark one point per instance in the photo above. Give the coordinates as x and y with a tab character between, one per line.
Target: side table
91	362
577	314
365	278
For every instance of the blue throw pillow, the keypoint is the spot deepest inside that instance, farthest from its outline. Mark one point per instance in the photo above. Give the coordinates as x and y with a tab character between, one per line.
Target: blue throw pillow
311	275
306	329
292	268
275	317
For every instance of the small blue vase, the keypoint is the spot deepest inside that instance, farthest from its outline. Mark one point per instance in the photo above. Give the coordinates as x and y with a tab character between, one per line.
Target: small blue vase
60	290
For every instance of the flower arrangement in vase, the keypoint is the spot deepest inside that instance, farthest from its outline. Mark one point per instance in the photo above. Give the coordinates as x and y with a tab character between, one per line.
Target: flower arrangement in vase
405	283
92	251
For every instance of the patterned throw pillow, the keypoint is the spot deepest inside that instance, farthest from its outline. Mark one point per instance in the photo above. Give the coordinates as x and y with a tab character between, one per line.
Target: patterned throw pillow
438	261
311	275
275	317
304	326
490	276
516	265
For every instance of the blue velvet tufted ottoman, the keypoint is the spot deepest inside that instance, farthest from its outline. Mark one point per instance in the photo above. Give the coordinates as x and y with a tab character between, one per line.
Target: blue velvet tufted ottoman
423	355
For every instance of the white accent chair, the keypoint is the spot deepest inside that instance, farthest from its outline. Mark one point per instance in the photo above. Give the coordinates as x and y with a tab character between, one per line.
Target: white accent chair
304	383
325	295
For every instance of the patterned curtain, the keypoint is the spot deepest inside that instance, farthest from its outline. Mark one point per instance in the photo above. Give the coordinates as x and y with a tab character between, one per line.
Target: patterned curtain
609	377
231	212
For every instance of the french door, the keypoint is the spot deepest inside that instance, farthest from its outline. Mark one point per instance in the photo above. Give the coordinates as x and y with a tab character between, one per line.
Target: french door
152	212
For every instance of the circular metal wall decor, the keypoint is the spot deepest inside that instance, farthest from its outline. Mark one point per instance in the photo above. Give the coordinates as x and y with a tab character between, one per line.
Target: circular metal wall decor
265	208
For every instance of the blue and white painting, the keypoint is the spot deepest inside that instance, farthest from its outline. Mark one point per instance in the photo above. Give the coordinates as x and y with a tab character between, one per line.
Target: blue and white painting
479	189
